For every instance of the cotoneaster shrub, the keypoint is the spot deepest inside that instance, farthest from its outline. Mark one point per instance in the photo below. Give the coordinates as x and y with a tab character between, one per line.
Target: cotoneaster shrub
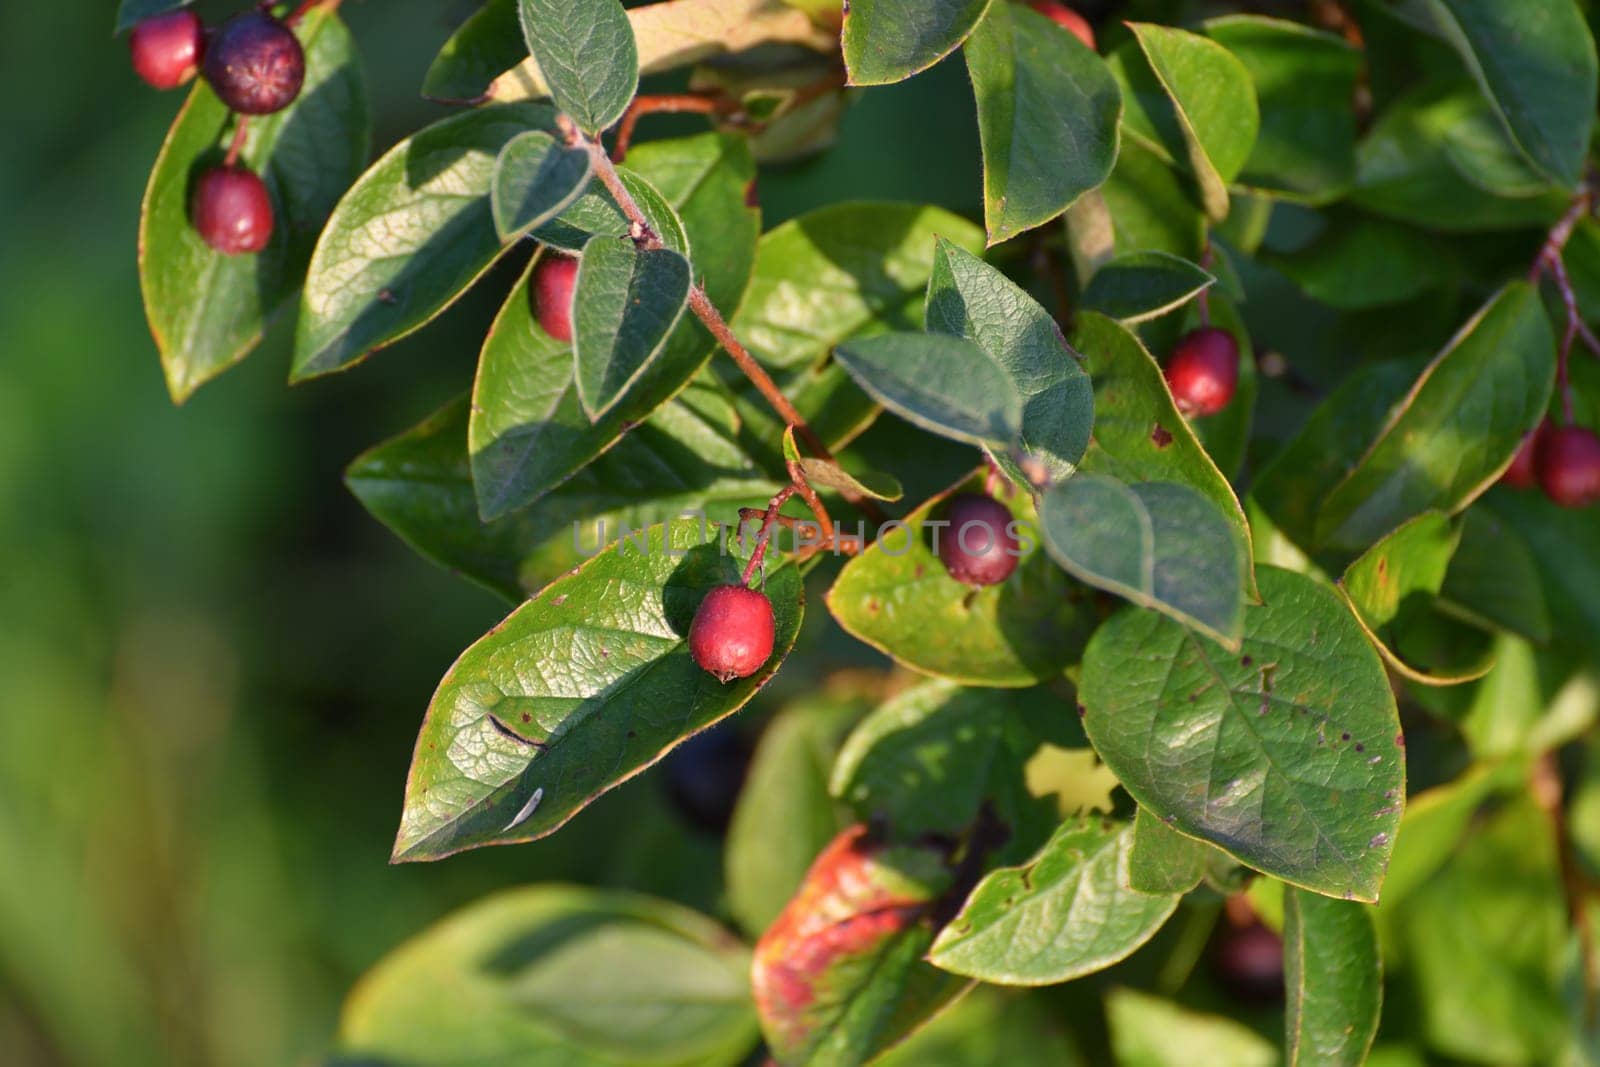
1217	510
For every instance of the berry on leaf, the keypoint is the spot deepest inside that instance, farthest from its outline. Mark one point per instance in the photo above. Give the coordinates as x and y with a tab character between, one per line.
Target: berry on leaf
553	282
166	48
732	633
232	210
1204	371
980	547
255	64
1523	472
1569	465
1068	19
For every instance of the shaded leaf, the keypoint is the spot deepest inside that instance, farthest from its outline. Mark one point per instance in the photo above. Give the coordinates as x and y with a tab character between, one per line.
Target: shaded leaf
1287	755
1493	580
535	179
897	597
1490	385
1066	913
1139	435
576	691
931	759
586	52
486	45
968	298
407	239
1333	977
132	12
991	1026
1149	1032
888	41
785	815
556	976
1047	118
839	976
1304	80
1160	544
946	385
419	484
1566	549
1191	101
626	302
207	310
1143	285
1360	262
1161	860
529	433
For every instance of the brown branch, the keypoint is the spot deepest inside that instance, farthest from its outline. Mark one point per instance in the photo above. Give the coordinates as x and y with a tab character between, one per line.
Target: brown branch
764	535
697	103
1546	788
241	132
1550	259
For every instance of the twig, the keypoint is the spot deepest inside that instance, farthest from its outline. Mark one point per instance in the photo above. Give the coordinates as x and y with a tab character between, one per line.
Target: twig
1547	793
698	103
241	132
764	535
809	495
1549	259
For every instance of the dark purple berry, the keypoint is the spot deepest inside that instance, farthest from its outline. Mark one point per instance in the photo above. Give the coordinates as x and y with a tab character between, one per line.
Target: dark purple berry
1248	962
232	210
255	64
553	282
1204	371
1569	465
732	632
166	49
980	546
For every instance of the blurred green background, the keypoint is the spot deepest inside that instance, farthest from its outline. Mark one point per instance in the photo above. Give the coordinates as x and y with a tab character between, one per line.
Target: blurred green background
213	662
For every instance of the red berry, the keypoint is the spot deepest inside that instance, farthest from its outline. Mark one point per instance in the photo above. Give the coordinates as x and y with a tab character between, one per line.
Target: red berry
732	632
232	210
1569	465
979	547
553	281
1523	473
1069	19
255	64
166	49
1204	371
1248	961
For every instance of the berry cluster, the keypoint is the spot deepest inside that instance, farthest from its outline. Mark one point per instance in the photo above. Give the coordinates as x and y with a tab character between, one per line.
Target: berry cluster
1564	461
256	66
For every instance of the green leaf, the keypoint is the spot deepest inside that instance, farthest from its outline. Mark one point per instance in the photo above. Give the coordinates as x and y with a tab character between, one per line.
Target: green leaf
207	310
946	385
1361	262
596	214
576	691
1161	860
1392	589
1064	914
529	433
1144	285
1493	580
626	302
1293	486
413	233
1286	755
1159	544
535	179
1149	1032
586	52
1304	81
989	1026
556	976
839	976
1483	938
968	298
823	474
1189	99
132	12
888	41
1536	65
1334	980
1490	385
1139	435
486	45
1424	162
785	815
930	760
897	597
1149	208
1566	548
1047	118
679	462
